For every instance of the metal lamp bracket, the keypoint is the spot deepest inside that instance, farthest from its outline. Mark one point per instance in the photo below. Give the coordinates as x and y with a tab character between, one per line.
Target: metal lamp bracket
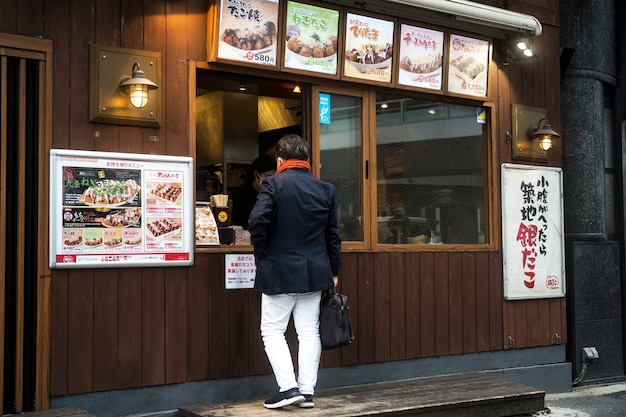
522	146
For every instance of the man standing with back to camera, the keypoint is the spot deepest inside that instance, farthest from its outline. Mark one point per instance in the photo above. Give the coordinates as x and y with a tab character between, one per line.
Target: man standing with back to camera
294	229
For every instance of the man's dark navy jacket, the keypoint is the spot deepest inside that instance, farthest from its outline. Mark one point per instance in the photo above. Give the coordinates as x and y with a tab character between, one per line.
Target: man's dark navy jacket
295	232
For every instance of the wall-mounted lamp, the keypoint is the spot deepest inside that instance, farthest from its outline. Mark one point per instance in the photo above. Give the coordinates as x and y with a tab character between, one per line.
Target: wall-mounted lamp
297	89
545	134
110	87
532	134
524	48
515	49
138	86
384	105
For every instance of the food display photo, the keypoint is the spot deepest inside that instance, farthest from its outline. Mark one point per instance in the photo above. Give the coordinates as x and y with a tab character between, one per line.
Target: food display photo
469	62
165	193
421	57
311	38
206	226
369	48
248	31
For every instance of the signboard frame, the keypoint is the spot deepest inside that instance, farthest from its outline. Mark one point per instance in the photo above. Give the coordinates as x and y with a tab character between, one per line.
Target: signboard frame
82	224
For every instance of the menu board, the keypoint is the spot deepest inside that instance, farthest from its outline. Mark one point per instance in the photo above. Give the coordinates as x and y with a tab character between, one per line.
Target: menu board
311	38
119	210
468	66
248	31
421	57
369	48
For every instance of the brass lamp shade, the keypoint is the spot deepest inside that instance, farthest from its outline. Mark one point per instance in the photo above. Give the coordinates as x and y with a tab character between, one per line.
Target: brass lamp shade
138	86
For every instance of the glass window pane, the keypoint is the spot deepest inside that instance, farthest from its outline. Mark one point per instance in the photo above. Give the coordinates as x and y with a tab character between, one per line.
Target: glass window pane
341	161
430	186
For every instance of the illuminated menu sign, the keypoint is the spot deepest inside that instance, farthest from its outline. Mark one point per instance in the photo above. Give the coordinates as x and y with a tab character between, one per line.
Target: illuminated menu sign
421	57
248	31
468	66
116	210
369	48
533	237
311	38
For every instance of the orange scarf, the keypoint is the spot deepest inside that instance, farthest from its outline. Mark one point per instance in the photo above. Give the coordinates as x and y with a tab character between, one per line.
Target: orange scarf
294	163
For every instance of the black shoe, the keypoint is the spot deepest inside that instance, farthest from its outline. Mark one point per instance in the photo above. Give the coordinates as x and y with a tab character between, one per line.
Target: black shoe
308	402
284	398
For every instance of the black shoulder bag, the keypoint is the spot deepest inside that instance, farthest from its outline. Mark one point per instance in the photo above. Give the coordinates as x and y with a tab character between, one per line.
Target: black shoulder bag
335	324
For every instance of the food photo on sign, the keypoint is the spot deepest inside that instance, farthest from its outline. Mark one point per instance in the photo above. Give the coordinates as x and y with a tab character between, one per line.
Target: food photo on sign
469	62
421	57
248	31
311	38
369	48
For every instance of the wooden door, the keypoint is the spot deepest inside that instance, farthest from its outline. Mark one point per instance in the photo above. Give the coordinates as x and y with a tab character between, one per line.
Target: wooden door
25	126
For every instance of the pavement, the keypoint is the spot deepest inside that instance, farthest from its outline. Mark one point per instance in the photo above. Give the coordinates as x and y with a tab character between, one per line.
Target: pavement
587	401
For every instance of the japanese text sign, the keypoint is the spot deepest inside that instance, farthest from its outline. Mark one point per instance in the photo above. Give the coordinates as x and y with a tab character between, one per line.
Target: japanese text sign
240	271
532	229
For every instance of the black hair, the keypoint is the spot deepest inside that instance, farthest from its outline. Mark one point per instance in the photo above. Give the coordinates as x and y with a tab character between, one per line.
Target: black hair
292	146
261	164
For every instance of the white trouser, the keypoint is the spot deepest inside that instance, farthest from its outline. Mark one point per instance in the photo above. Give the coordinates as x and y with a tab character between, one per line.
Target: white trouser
275	313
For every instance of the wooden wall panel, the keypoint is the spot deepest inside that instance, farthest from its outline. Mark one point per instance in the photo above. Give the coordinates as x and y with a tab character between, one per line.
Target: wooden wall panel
469	302
382	303
198	307
218	320
80	332
440	300
59	343
115	329
412	303
105	325
455	302
128	354
426	305
397	313
153	326
483	295
176	325
496	292
366	315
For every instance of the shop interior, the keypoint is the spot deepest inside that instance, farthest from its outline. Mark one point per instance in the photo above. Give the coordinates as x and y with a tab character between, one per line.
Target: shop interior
239	118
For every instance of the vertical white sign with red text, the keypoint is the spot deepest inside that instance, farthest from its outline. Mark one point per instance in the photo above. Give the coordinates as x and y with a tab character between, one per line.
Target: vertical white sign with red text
532	232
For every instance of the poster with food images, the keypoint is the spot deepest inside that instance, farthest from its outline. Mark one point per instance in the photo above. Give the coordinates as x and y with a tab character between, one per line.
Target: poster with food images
421	57
369	48
311	38
117	210
468	66
248	31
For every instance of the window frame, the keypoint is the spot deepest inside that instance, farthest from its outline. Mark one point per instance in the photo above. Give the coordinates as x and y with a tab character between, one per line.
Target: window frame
370	180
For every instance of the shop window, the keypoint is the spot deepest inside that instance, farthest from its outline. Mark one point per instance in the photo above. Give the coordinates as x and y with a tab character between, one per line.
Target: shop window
430	172
341	156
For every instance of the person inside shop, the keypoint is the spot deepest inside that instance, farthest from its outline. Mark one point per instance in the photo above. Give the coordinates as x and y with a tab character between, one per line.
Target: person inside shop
245	195
294	229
